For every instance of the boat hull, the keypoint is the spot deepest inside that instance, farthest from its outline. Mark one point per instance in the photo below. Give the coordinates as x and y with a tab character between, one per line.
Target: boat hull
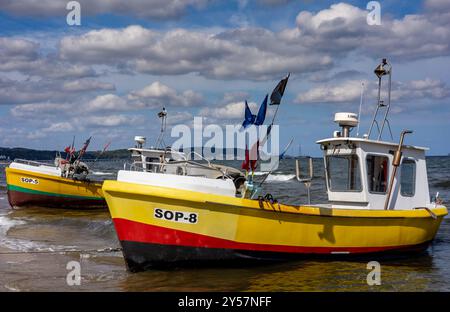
228	228
28	188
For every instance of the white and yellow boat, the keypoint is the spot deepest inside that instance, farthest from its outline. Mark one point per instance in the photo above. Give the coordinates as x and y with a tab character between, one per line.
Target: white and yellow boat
378	202
164	219
32	183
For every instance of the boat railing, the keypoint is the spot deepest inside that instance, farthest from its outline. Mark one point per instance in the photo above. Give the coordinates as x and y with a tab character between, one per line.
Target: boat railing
139	165
32	162
142	165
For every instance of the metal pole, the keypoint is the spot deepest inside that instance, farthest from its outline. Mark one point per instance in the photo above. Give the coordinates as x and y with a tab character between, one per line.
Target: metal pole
305	181
395	163
389	103
378	107
360	105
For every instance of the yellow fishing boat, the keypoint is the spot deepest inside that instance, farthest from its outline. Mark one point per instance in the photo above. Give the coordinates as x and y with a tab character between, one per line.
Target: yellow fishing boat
378	202
36	184
159	226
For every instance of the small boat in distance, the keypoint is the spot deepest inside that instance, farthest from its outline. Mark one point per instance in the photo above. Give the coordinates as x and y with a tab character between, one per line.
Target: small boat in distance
61	185
378	202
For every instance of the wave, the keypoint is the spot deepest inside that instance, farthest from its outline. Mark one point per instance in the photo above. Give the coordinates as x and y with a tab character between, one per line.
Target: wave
280	177
7	223
260	173
99	173
17	244
443	184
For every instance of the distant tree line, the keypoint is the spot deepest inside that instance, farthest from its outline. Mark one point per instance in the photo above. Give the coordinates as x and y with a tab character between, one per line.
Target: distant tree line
32	154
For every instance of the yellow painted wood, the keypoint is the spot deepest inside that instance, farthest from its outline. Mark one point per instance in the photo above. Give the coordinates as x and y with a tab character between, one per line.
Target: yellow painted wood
54	185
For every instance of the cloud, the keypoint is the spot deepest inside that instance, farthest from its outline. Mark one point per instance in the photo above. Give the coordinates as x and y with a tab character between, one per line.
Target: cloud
260	54
343	28
63	126
437	5
23	56
230	111
40	109
244	54
174	118
350	91
48	90
87	85
151	9
106	102
110	120
159	95
18	92
14	52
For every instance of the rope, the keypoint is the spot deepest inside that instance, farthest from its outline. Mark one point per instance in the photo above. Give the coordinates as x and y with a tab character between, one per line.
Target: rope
270	200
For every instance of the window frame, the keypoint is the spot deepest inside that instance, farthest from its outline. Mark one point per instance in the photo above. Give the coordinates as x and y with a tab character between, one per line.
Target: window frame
361	186
411	160
388	174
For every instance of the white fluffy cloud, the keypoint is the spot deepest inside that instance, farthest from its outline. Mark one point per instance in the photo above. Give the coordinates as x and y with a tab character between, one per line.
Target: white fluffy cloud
32	110
87	85
222	56
63	126
256	53
350	91
153	9
158	94
343	28
23	56
48	90
229	111
111	120
62	89
106	102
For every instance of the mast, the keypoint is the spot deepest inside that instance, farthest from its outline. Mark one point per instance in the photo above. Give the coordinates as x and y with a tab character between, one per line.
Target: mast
383	69
160	141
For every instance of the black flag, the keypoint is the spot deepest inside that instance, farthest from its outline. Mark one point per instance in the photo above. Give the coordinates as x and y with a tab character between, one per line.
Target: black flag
277	93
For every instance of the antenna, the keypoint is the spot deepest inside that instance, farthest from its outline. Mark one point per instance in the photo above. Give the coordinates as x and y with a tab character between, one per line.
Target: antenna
360	105
384	68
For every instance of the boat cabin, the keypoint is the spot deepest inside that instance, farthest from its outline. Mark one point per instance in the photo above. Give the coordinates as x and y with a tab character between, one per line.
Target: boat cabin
358	172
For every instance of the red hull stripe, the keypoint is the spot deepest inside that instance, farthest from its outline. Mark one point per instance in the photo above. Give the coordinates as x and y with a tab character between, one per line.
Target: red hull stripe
144	233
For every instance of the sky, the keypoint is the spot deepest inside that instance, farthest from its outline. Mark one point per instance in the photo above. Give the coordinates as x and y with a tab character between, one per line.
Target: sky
110	76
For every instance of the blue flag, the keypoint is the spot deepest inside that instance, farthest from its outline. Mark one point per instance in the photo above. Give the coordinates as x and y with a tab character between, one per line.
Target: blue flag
249	118
261	113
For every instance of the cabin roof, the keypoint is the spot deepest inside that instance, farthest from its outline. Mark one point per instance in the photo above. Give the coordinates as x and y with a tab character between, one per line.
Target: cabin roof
368	141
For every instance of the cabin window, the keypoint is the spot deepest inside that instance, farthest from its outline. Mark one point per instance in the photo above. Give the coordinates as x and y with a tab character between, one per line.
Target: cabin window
151	164
343	173
377	173
408	177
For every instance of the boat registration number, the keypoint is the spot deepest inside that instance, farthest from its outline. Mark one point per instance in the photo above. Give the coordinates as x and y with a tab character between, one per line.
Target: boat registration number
176	216
29	180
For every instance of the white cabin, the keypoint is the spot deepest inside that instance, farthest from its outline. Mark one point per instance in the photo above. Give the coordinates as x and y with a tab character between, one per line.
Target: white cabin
358	172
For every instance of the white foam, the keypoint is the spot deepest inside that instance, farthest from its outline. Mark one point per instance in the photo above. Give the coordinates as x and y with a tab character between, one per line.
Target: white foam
280	177
7	223
99	173
259	173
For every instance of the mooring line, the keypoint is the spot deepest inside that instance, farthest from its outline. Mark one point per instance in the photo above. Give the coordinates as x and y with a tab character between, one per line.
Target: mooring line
104	250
